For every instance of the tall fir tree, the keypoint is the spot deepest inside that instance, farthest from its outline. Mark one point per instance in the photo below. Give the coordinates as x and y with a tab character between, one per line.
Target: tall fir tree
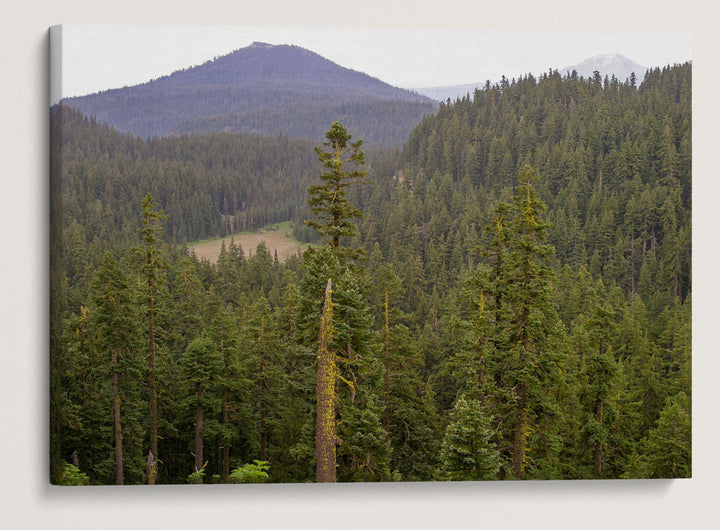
524	318
201	366
328	201
152	273
114	327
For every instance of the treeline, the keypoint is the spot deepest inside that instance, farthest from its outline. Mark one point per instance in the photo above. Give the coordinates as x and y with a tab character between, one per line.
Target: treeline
523	310
290	113
387	123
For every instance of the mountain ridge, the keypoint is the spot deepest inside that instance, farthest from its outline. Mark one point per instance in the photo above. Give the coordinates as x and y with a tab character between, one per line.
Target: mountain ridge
262	88
273	62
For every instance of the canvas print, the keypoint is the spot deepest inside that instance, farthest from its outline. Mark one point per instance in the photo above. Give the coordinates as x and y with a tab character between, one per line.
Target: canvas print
300	255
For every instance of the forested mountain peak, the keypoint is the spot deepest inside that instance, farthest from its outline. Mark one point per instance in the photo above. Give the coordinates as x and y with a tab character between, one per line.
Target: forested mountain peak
262	63
262	88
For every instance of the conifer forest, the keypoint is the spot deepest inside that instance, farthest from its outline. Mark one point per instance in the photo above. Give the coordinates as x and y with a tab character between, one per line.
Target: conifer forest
504	295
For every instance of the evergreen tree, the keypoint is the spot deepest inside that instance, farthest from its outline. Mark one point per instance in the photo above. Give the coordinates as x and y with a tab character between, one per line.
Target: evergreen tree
598	384
190	303
525	318
224	333
329	201
201	369
669	444
410	415
263	360
228	279
114	336
152	273
468	451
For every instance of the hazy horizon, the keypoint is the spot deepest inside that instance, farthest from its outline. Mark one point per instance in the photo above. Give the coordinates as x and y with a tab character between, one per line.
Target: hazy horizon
99	57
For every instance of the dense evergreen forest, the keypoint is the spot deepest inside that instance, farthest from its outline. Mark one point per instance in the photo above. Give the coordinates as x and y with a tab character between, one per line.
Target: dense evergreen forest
507	296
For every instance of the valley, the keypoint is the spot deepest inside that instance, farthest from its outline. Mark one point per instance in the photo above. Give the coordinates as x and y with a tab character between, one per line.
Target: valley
277	239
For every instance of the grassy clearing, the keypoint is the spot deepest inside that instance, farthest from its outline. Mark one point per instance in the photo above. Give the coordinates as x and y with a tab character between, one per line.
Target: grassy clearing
277	237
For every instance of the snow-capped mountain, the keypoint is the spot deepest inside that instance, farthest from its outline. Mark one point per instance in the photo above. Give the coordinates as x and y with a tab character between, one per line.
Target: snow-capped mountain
608	65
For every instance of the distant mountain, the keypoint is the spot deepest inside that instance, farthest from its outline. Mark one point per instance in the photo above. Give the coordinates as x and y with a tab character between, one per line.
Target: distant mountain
266	89
608	65
442	93
615	64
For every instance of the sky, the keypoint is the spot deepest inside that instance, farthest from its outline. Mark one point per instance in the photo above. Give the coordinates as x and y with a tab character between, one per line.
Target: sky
101	57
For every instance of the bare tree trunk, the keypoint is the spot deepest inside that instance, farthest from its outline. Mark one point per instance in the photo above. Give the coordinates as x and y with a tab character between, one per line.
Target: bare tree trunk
263	438
226	443
599	447
386	375
151	467
152	472
325	438
225	471
198	434
225	451
263	412
116	421
520	442
521	431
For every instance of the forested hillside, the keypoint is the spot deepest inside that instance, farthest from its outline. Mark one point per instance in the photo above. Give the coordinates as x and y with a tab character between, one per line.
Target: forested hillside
615	166
262	89
208	184
507	297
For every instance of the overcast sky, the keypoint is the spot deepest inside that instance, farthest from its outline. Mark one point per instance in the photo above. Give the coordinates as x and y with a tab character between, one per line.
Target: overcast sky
97	58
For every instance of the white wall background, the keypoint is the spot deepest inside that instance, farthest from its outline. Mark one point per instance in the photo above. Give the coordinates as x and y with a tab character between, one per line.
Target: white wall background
27	501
